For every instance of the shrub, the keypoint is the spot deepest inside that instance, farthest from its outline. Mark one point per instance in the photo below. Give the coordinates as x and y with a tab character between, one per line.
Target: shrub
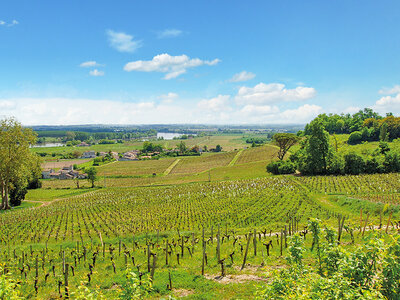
354	163
286	167
281	167
392	162
355	138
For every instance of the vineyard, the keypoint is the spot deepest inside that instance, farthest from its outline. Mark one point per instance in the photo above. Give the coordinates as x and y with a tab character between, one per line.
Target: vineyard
135	168
262	153
382	188
213	240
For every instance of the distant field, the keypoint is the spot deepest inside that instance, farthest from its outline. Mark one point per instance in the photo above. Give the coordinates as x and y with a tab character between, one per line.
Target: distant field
56	164
202	163
135	168
51	194
262	153
228	142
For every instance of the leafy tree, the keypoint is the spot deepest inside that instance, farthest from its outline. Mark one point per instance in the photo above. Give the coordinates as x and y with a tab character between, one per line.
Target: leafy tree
383	133
316	151
15	156
92	175
354	163
182	147
218	148
284	141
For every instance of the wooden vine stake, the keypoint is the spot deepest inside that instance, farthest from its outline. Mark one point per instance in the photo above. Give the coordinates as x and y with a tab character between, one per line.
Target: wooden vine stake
66	281
204	255
255	243
245	253
218	245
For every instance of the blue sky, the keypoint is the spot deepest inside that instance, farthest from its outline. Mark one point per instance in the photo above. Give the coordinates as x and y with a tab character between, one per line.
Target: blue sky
223	62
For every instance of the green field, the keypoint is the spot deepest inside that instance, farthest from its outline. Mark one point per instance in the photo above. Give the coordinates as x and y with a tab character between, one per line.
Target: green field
152	213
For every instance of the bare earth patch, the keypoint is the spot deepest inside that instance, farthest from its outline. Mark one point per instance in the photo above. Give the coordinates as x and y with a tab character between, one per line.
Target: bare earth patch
182	292
239	278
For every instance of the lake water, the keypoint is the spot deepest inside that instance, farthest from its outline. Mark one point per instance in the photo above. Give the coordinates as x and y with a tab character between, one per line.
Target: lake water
48	145
168	135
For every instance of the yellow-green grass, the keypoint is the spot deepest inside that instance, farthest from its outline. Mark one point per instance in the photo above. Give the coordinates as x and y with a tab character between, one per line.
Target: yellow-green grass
197	164
59	163
51	194
135	168
243	171
261	153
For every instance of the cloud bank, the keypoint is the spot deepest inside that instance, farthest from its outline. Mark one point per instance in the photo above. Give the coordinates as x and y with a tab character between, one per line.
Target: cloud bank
172	66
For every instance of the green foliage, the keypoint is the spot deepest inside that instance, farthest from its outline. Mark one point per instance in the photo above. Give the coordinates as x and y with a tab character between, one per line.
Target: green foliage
8	287
256	140
354	163
133	288
17	194
92	175
284	141
371	271
355	137
84	293
316	152
281	167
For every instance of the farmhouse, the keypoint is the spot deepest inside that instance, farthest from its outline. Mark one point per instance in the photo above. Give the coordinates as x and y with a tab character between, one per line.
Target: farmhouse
89	154
129	156
66	172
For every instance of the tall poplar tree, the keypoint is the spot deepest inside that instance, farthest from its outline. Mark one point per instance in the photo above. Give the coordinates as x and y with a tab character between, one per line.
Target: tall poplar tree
15	156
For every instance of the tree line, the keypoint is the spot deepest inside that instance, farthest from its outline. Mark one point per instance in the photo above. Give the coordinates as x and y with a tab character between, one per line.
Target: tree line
318	154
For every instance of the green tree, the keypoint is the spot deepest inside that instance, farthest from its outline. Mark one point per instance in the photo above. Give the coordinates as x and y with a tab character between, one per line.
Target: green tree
182	147
15	156
284	141
218	148
316	151
92	175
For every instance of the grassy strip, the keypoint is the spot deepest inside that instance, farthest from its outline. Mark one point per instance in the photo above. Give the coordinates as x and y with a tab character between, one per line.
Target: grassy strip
233	161
169	169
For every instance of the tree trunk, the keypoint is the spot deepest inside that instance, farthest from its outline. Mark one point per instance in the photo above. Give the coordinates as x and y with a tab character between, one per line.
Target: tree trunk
5	204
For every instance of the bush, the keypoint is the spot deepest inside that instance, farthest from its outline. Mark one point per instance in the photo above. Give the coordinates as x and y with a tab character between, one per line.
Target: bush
355	138
354	163
392	162
17	194
281	167
373	165
336	165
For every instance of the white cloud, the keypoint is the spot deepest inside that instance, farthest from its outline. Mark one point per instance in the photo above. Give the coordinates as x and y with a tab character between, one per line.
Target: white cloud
301	114
169	98
12	23
169	33
217	104
173	66
251	109
388	104
242	76
90	63
390	91
350	110
272	93
96	72
6	105
123	42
